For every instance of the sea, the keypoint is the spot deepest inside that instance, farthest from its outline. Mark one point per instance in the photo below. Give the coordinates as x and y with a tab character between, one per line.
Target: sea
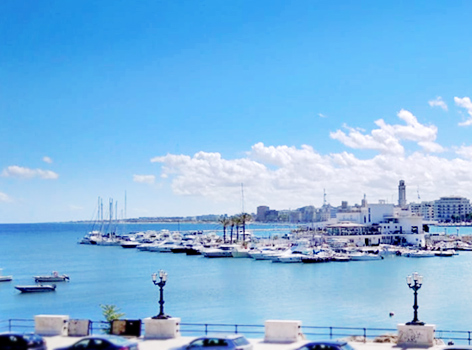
372	294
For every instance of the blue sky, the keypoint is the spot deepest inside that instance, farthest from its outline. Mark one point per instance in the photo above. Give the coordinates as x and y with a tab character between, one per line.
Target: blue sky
179	102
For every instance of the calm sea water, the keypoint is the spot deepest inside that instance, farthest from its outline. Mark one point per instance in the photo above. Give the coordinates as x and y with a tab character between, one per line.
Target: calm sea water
244	291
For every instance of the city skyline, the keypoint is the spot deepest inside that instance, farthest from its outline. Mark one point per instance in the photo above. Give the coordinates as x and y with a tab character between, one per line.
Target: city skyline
179	103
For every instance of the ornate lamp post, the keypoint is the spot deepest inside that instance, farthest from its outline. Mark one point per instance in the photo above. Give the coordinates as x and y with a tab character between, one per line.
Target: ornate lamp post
415	282
160	284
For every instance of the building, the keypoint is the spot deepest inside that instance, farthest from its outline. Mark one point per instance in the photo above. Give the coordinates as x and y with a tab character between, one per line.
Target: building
262	213
451	208
402	194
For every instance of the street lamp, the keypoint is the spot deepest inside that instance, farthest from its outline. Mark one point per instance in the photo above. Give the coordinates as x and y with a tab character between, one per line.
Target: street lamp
160	284
415	282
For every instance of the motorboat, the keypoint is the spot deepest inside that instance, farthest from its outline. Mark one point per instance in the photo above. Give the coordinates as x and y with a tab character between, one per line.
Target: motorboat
5	278
130	244
241	252
37	288
223	251
361	256
164	247
54	277
290	258
420	254
446	253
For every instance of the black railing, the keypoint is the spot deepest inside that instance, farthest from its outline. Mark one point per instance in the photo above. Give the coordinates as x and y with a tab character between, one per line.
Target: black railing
256	331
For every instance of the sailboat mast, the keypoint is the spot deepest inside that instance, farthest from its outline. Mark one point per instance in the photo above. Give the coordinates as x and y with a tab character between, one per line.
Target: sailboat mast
242	197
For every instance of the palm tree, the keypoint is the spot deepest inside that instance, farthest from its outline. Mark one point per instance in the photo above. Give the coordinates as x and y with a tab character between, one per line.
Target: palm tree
231	222
225	222
237	221
245	217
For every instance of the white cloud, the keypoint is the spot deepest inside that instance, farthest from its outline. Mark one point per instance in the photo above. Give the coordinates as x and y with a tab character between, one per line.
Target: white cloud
467	104
322	115
47	159
146	179
438	102
27	173
4	198
465	151
387	138
290	177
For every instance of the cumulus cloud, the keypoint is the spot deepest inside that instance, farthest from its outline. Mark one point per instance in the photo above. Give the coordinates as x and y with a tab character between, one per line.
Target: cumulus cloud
467	104
4	198
146	179
284	177
27	173
321	115
465	151
387	138
438	102
48	160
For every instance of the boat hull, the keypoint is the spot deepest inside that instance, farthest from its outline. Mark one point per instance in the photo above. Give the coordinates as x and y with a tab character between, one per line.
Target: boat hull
36	289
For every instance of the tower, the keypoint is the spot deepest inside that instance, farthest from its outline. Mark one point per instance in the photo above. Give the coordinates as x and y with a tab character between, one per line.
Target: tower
402	194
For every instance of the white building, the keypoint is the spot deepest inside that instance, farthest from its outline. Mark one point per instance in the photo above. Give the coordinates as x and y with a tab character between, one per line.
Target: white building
379	223
446	208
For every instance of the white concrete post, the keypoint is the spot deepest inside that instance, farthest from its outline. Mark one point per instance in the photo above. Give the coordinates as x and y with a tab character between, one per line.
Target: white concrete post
161	328
279	331
50	325
411	335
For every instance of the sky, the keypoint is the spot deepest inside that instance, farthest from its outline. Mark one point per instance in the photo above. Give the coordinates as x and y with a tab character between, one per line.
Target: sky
217	107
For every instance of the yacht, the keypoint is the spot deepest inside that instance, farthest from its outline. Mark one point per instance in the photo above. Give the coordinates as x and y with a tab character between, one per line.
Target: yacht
53	277
223	251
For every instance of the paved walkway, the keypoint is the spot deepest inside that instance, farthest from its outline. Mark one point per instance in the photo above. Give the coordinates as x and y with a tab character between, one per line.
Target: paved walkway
259	344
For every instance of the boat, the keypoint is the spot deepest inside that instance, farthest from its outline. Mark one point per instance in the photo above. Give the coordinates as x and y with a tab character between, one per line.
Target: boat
360	256
37	288
129	244
5	278
54	277
223	251
420	254
446	253
241	252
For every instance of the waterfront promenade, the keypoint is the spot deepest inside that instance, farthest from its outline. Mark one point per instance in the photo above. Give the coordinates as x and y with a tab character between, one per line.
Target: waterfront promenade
259	344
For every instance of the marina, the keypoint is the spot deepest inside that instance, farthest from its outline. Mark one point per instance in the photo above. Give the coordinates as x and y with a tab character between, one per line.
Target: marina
228	290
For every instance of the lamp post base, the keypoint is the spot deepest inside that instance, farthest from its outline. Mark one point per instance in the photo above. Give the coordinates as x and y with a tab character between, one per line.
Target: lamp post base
161	317
415	323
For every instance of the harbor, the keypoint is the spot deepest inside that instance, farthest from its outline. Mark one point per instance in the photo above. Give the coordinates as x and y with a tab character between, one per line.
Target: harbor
236	291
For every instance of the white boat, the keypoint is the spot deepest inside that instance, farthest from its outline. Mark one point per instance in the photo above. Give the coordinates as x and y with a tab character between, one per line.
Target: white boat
37	288
5	278
446	253
240	252
420	254
130	244
290	258
163	247
54	277
223	251
359	256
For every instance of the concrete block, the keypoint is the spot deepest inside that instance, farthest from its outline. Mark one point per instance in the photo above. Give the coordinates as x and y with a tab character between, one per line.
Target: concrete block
161	329
411	335
50	325
79	328
282	331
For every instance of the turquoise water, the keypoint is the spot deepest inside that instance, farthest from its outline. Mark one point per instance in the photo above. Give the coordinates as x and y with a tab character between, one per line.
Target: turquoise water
244	291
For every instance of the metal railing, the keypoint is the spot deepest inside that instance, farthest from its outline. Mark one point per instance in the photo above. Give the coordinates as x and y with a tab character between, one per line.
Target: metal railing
256	331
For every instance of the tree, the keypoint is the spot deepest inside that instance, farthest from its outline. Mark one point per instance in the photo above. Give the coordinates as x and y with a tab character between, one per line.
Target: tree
111	313
245	218
225	222
237	222
231	222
